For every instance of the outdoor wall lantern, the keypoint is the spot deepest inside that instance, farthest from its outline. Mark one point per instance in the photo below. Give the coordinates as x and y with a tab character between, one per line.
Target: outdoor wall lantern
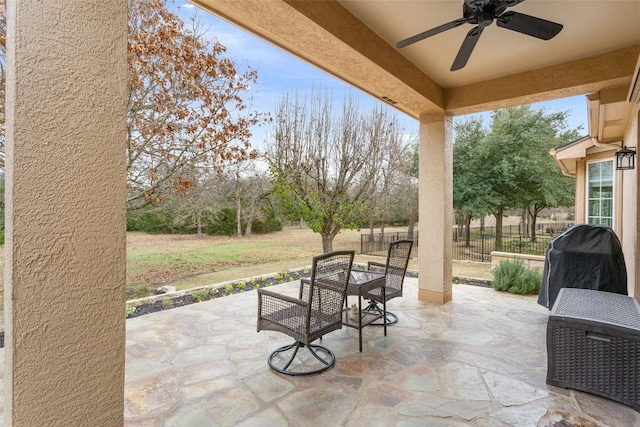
625	158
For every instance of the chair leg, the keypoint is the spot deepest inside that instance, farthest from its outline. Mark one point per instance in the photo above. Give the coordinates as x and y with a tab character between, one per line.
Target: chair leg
326	362
373	306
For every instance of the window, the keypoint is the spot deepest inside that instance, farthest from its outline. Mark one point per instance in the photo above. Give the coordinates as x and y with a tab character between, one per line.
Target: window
600	192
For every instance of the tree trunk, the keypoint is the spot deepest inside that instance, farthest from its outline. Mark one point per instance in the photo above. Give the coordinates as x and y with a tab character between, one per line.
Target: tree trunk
238	207
199	221
482	225
524	222
499	215
460	218
412	223
327	243
252	214
371	227
467	230
533	227
534	219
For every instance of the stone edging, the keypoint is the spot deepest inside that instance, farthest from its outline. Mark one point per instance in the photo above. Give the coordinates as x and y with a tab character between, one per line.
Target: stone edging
177	294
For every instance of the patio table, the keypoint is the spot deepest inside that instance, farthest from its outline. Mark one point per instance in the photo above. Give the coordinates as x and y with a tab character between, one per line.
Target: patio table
361	282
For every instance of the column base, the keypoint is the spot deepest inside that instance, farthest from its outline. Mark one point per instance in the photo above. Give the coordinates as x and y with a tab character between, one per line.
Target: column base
435	297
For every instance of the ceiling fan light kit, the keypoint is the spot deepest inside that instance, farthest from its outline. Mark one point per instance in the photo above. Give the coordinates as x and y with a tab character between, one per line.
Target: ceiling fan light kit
482	13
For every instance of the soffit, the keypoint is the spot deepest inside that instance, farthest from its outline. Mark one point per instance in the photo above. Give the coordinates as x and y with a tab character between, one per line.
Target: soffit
568	156
609	114
355	41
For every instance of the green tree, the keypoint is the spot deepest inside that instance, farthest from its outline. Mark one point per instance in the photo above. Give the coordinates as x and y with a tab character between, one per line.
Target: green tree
470	193
521	138
509	166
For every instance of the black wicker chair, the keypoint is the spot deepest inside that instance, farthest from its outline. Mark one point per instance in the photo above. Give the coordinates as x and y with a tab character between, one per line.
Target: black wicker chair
316	312
394	270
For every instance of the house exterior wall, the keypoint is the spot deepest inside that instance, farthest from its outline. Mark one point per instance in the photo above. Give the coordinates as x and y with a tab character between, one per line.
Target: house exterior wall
626	203
630	214
581	191
65	213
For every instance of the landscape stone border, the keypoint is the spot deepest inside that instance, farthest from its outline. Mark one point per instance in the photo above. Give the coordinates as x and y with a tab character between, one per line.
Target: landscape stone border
154	303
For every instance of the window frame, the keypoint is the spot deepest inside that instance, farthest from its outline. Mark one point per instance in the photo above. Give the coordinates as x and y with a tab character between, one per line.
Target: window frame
587	205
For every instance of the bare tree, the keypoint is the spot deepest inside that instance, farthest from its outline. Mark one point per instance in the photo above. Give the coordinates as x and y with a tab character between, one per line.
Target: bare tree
389	168
257	186
326	164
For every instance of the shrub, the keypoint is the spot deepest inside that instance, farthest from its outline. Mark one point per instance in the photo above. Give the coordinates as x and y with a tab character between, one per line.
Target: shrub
514	277
129	312
149	220
267	225
222	223
200	295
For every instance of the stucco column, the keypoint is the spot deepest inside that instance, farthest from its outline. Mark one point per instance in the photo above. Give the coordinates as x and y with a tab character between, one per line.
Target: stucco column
436	208
65	212
632	230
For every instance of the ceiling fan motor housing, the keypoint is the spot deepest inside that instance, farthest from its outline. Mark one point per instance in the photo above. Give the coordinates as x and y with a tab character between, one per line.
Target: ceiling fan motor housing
482	16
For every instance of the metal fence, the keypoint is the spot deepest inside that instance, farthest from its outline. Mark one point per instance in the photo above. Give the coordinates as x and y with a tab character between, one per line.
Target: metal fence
477	249
378	244
480	249
542	228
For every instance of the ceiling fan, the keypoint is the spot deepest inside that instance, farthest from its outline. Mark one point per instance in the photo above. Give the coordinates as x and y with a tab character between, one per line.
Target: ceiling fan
482	13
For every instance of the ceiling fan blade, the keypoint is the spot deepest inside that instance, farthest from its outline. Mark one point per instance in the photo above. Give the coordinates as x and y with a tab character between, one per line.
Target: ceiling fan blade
467	47
431	32
529	25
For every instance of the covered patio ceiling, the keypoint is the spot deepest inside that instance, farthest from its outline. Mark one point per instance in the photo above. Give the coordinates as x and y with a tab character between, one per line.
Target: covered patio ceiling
355	40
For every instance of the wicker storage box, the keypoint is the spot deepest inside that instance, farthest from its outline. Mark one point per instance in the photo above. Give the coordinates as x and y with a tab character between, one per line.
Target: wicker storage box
593	344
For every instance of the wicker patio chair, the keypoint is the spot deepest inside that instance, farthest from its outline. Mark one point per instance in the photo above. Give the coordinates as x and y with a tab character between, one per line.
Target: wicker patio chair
316	312
394	270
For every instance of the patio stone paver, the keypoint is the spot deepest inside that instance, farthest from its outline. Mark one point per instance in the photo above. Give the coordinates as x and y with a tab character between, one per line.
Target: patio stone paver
479	360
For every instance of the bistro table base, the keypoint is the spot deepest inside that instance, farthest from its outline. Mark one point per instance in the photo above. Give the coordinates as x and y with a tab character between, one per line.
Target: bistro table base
374	307
360	283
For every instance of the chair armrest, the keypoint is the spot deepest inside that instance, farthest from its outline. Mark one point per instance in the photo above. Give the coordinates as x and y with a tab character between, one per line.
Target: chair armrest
278	296
375	264
305	283
278	308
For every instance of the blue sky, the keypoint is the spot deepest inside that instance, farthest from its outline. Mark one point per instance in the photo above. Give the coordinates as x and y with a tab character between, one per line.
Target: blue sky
279	71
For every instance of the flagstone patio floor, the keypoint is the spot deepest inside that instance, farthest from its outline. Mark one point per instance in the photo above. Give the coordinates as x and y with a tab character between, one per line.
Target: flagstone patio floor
479	360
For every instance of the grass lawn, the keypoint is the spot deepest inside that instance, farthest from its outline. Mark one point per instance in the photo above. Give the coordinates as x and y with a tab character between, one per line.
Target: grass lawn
187	261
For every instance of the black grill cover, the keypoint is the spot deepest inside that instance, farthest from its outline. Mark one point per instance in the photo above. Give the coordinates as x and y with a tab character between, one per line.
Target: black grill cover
584	256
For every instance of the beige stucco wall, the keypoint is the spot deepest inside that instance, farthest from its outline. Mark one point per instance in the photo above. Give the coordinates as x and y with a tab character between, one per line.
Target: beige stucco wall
581	182
626	203
629	210
65	213
436	207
